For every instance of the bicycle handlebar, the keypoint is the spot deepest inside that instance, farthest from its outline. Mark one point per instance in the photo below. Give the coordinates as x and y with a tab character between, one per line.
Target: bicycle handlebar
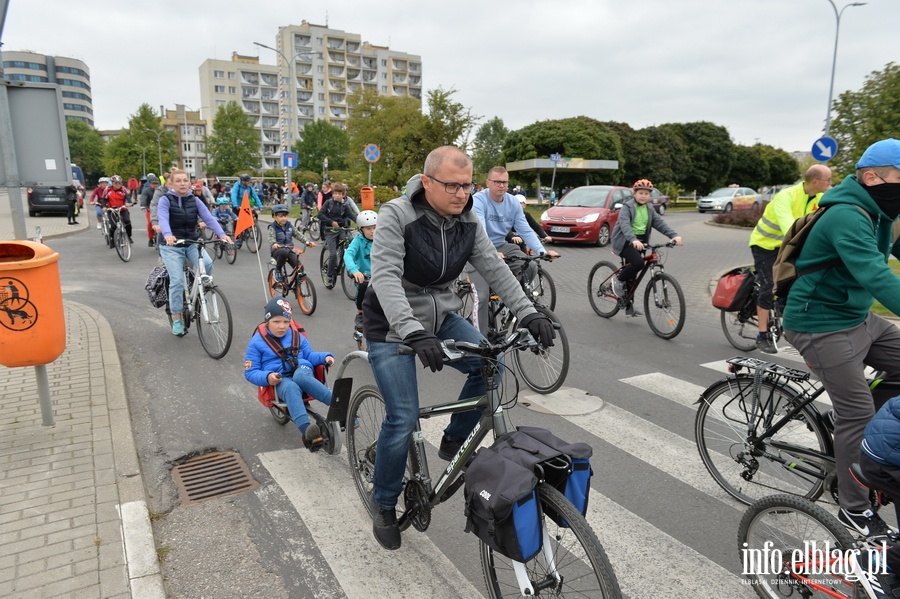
457	350
532	258
200	241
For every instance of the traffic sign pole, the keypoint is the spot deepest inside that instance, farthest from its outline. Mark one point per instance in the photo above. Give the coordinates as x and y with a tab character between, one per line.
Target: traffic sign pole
371	153
555	158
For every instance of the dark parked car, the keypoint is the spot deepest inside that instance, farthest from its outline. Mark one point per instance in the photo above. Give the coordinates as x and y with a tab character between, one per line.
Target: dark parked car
660	202
47	199
585	214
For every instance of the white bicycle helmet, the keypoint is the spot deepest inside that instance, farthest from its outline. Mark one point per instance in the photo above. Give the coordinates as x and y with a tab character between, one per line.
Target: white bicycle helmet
367	218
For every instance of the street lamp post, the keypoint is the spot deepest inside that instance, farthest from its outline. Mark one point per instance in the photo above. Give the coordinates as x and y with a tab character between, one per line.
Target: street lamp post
144	159
837	30
292	78
158	134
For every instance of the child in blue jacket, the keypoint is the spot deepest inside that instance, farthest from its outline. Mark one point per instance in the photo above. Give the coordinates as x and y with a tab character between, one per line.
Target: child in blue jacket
357	258
290	371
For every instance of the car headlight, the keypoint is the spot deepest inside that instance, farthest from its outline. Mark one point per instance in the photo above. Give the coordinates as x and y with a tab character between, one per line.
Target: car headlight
589	218
544	216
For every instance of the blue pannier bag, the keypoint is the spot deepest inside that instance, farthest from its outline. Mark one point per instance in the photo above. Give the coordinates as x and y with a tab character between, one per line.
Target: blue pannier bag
502	507
565	466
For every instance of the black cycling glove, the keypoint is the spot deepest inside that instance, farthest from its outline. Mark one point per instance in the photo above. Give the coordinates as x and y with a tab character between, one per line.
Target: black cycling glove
428	348
541	328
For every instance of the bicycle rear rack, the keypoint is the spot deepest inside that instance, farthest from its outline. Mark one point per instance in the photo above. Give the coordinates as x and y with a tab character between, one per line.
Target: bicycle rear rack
739	363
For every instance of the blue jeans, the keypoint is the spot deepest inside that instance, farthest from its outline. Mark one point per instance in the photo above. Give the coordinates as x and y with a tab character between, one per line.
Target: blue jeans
174	258
395	376
291	391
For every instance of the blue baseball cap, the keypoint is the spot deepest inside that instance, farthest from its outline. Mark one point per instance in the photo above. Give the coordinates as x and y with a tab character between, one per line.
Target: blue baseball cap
881	153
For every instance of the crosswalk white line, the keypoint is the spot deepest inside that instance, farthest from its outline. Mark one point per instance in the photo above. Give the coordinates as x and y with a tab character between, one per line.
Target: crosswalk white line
322	492
680	391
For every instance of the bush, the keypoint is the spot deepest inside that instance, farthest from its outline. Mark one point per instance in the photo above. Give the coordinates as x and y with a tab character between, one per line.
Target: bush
739	218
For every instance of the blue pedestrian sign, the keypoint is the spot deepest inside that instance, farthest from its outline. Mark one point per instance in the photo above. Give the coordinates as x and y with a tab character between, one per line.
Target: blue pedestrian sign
372	153
289	160
555	157
824	149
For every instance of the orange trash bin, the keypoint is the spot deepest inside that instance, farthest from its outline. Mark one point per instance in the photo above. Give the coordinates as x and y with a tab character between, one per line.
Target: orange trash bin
32	324
367	195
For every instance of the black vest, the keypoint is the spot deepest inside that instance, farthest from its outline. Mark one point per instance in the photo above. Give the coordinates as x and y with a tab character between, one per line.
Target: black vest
183	215
284	236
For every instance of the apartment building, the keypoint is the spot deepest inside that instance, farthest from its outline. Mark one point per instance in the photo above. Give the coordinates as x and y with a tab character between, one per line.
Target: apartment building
190	131
316	70
72	75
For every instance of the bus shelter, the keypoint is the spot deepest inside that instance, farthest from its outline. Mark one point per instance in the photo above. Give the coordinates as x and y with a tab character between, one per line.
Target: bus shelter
548	168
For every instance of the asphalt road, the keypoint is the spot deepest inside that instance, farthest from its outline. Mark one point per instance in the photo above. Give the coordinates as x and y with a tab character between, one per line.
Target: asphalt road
661	518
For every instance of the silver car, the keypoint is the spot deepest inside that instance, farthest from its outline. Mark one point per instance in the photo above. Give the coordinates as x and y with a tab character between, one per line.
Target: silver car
726	199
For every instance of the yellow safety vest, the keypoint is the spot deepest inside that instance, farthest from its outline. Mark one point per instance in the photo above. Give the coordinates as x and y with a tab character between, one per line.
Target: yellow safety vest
788	205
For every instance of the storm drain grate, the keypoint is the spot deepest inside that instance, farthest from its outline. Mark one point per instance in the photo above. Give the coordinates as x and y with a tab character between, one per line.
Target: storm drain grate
212	475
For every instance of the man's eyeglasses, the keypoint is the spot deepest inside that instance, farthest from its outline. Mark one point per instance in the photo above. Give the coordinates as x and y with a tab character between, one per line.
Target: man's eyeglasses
452	188
499	183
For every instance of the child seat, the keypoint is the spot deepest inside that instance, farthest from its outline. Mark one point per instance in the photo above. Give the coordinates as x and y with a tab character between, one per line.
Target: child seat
266	394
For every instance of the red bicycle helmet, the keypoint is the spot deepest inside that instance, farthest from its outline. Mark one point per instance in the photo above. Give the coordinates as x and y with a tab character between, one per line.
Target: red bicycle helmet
642	184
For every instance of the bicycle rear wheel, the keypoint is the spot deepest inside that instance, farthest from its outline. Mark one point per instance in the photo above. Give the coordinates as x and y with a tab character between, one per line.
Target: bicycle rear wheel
323	264
367	409
664	306
123	246
314	232
740	328
749	470
571	564
544	370
230	253
794	527
276	288
545	289
214	326
465	289
600	289
306	294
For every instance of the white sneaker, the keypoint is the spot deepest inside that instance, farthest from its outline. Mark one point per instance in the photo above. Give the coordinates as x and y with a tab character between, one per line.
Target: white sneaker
99	226
618	287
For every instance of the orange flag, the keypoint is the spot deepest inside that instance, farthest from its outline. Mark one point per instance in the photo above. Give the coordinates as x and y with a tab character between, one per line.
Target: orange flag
245	216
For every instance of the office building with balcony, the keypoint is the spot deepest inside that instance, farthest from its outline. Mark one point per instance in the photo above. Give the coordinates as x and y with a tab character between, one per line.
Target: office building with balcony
71	74
326	66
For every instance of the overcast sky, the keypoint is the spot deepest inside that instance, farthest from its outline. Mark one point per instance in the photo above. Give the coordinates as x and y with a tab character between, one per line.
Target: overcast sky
761	68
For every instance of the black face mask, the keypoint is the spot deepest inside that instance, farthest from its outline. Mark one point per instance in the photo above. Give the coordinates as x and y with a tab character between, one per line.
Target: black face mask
887	196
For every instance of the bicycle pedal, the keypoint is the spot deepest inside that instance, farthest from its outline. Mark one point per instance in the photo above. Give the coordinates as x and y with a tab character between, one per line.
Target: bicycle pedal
315	445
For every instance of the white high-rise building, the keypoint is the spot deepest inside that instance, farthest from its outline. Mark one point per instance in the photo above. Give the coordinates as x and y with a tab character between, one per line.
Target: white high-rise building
326	65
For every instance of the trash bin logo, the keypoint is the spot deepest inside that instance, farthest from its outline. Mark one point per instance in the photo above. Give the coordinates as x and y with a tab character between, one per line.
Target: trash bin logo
17	313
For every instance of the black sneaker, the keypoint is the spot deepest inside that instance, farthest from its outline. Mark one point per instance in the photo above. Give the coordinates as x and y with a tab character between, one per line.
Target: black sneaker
329	284
384	525
867	523
312	438
150	243
765	344
449	448
630	310
873	575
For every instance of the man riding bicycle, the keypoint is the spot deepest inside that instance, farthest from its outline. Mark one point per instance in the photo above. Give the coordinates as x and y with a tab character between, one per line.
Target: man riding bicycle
116	197
424	240
500	212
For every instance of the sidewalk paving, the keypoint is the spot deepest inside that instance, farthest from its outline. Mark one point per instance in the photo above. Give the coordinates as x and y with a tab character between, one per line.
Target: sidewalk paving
51	225
73	520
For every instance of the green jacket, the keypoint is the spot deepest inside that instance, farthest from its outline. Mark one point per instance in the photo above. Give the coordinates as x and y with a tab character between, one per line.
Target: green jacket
788	205
840	297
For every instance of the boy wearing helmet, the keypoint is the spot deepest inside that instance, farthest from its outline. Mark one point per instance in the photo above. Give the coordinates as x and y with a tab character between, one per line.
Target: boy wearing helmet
282	234
631	233
357	258
223	213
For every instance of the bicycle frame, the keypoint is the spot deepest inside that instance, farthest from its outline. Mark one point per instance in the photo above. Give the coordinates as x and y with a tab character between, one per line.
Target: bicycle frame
651	263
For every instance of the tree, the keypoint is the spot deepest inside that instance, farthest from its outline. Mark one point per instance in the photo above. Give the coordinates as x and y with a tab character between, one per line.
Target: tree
448	123
487	148
654	153
321	139
749	167
576	137
710	150
783	168
86	148
123	155
866	116
395	124
233	146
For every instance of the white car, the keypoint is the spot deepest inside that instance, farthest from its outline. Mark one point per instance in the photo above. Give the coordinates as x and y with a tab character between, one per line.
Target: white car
726	199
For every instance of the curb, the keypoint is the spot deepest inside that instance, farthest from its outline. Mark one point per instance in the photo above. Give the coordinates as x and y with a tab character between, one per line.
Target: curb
145	576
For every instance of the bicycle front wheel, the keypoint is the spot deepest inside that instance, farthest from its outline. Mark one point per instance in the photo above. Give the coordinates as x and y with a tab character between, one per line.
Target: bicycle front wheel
214	324
254	239
306	294
789	461
364	417
740	328
314	231
664	306
348	283
603	299
323	264
544	370
230	253
572	562
796	528
123	246
546	289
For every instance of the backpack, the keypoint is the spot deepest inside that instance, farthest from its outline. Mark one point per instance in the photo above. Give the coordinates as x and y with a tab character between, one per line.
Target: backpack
784	271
